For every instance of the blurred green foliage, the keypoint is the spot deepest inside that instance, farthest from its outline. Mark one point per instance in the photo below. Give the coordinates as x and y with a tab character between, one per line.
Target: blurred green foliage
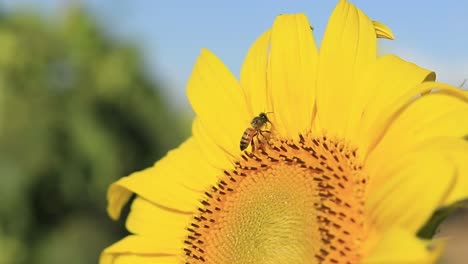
77	111
431	226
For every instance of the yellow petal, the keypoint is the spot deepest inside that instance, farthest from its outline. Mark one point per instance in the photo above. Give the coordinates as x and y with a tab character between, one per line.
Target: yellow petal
395	77
292	75
459	156
165	226
399	246
175	182
456	151
138	249
217	100
382	31
253	75
132	259
347	55
213	154
416	95
430	116
408	192
117	197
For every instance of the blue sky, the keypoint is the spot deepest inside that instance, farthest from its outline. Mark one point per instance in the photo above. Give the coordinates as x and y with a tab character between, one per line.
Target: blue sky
171	33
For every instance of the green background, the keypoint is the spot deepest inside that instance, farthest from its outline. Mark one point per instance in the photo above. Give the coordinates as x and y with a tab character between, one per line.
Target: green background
77	111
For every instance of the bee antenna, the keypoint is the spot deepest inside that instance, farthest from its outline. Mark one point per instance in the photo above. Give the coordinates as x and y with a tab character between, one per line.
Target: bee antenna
267	118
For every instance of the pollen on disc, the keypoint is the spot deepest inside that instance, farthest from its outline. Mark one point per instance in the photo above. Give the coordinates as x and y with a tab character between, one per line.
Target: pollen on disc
269	219
292	202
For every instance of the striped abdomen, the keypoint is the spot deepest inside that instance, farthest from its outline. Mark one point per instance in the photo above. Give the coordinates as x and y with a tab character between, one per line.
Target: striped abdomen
247	137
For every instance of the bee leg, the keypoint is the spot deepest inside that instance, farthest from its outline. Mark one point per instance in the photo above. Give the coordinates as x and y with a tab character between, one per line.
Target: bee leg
263	131
253	145
264	138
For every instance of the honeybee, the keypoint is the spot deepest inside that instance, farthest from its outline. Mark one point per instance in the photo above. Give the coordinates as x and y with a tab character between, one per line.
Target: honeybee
257	124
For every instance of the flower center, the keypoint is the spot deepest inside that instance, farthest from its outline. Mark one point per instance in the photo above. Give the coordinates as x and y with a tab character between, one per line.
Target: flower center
287	202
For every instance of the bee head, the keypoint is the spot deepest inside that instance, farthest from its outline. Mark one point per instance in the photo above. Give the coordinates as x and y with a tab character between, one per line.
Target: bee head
263	118
260	120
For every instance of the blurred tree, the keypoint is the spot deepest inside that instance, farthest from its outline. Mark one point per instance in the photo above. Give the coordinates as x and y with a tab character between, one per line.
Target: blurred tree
76	112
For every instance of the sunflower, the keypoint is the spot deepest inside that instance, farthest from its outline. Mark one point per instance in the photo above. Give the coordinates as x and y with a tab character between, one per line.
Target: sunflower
349	155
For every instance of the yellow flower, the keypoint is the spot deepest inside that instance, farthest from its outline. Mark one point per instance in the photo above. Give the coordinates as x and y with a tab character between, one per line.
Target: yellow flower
359	152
